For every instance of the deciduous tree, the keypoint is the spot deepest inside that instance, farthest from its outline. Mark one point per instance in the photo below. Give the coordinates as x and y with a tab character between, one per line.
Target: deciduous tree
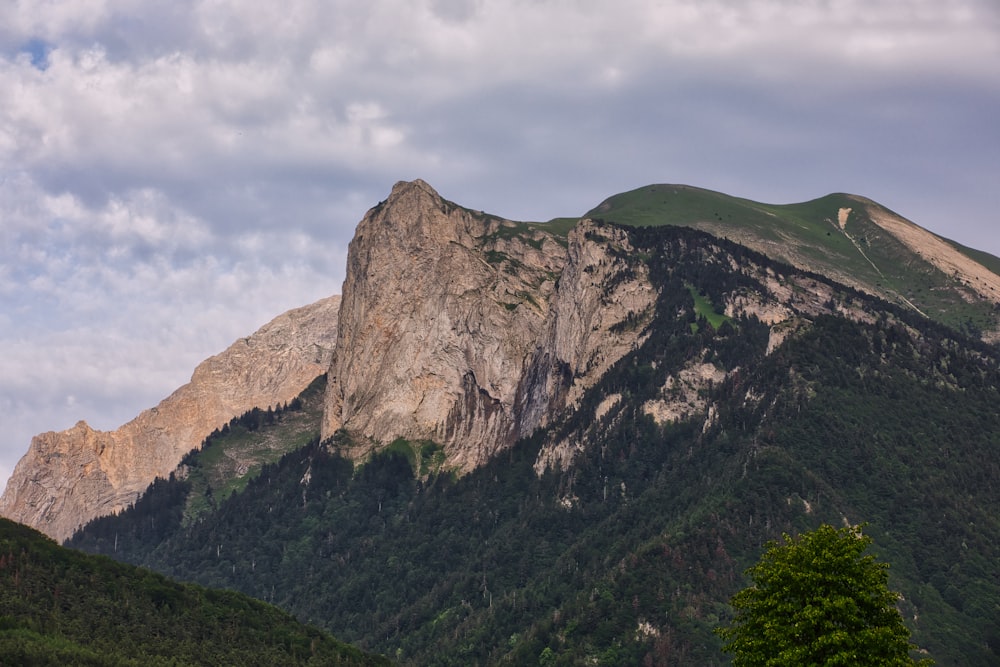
818	599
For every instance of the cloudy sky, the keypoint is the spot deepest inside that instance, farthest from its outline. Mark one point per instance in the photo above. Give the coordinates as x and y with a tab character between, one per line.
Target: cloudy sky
175	174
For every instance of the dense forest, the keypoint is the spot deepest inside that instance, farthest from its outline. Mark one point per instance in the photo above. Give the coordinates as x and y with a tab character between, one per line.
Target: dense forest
630	555
61	607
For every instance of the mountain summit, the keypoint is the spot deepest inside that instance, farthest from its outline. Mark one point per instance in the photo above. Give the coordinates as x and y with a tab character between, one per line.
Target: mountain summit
848	238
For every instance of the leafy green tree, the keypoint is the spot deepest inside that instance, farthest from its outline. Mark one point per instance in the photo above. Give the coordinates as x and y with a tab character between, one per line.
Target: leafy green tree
818	600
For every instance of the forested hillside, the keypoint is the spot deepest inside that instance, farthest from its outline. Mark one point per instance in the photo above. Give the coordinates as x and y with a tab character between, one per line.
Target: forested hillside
629	555
61	607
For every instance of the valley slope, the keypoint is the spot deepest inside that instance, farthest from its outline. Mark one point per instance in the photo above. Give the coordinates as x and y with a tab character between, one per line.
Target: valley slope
61	607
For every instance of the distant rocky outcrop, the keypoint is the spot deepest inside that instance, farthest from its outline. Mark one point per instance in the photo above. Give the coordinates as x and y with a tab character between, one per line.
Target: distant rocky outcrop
70	477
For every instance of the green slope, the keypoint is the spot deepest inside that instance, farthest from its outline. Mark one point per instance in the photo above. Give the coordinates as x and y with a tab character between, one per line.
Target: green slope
62	607
809	235
234	455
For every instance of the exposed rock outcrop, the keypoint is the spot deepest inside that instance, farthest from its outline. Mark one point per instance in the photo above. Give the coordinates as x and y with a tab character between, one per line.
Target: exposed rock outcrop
442	311
70	477
598	291
470	330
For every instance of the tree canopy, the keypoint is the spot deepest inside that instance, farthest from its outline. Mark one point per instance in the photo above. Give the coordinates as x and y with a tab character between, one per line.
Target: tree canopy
62	607
818	600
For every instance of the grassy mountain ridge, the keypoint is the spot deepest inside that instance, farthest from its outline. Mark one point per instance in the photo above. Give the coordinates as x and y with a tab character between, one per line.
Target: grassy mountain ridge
62	607
835	235
629	555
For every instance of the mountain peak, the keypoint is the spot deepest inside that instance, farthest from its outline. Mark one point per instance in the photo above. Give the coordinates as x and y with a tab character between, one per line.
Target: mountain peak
442	308
403	187
409	197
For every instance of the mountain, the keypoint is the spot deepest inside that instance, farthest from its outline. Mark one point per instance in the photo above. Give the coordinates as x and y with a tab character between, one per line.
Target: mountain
62	607
472	331
563	443
67	478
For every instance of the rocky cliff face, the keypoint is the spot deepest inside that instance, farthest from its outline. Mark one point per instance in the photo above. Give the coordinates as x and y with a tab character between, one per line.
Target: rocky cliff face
455	326
70	477
470	330
442	310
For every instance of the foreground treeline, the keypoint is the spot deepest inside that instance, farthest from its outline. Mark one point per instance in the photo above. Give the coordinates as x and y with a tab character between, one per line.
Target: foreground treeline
62	607
630	556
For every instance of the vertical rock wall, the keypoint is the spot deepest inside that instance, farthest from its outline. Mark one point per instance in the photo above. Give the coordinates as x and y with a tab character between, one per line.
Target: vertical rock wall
470	330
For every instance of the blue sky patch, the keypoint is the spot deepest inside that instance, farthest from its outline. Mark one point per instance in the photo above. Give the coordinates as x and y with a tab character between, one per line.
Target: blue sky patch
39	51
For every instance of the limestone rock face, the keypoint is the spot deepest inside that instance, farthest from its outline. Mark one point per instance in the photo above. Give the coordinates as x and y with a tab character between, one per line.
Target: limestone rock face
442	311
70	477
457	327
598	291
469	330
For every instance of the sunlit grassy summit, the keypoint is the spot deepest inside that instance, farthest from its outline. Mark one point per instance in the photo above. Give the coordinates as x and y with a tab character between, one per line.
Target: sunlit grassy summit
850	238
